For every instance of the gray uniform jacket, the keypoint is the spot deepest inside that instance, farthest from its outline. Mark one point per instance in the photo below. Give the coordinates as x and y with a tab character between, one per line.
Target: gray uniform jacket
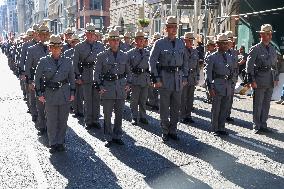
49	71
261	65
84	58
23	56
107	64
219	66
139	65
193	65
125	47
69	53
164	55
234	54
34	54
66	46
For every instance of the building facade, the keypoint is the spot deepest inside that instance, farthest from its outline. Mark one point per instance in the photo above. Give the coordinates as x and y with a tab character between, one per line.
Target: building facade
94	11
125	13
12	16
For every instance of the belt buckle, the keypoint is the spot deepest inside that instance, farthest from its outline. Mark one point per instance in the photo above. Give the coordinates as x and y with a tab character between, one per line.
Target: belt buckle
226	77
59	84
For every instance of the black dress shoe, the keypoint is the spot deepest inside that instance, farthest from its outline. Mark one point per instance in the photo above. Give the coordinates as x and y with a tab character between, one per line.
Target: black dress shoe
230	119
96	125
109	144
89	126
216	133
60	148
144	121
257	131
223	133
155	108
78	115
118	141
53	149
29	111
174	136
41	131
266	130
134	121
165	137
34	118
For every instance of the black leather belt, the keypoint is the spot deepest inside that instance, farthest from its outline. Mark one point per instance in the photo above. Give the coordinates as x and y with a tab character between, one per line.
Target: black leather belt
226	77
171	68
139	70
113	77
264	68
88	64
56	85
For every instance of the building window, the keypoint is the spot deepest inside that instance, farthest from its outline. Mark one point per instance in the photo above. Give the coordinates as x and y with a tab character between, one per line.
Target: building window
157	26
97	21
96	4
81	4
81	21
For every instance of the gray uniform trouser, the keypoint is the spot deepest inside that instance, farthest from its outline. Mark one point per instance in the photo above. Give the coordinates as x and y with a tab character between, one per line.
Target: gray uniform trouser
108	106
261	105
220	105
78	102
187	100
32	103
91	103
170	101
138	98
41	118
153	96
57	116
231	101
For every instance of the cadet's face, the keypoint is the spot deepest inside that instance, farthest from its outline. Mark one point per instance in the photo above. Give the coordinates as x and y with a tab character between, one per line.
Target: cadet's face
67	36
90	36
139	41
43	36
74	43
146	42
113	43
266	37
222	46
188	43
171	30
127	39
210	47
55	50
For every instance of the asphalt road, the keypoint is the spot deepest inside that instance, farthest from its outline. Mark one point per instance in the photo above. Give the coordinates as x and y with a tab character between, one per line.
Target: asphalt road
198	160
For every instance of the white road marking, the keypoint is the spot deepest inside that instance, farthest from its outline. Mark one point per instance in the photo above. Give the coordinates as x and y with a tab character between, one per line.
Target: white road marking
35	165
251	143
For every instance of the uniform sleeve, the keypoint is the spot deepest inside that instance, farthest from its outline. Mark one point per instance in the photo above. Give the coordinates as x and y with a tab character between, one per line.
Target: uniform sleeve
153	61
71	78
209	72
185	66
22	59
250	64
28	66
98	71
197	70
39	78
76	63
128	71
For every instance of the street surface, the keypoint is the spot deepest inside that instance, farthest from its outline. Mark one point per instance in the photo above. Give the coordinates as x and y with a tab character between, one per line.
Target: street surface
198	160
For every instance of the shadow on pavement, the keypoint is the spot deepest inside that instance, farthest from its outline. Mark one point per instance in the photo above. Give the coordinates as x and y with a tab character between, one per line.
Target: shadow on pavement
81	167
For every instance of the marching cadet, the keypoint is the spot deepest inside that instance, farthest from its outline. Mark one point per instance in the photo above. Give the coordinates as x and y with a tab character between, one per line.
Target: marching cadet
34	54
170	78
138	60
112	77
85	54
193	79
57	74
78	102
219	79
126	45
263	75
234	53
32	39
210	47
67	36
153	94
